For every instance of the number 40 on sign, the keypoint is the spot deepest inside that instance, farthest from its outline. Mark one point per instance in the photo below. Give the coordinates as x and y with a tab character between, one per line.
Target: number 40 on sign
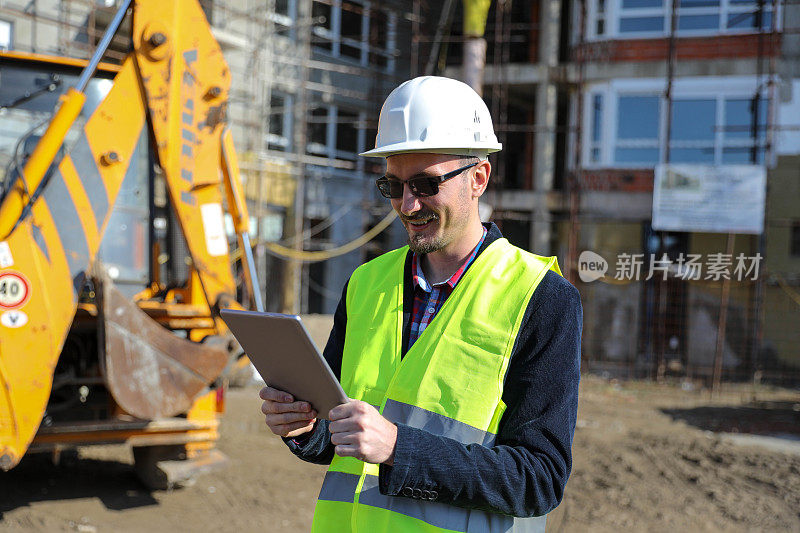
14	290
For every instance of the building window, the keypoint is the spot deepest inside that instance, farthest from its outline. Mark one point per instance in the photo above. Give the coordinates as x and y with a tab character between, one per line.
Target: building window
637	130
335	132
379	54
318	131
322	15
794	246
693	132
597	128
352	38
641	16
626	127
745	121
280	121
653	18
6	34
347	123
284	16
600	18
744	15
362	32
370	136
696	15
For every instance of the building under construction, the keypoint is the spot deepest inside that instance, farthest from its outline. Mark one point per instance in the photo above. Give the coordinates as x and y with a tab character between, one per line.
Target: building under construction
599	106
605	110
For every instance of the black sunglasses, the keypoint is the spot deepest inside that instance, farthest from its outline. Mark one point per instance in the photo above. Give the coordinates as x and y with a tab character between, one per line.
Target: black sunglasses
419	187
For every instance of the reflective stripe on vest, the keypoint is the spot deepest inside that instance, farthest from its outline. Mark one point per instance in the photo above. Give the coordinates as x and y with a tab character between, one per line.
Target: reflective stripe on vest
449	383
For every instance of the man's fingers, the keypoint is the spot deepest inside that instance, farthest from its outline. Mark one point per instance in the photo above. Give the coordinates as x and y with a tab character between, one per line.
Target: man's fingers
274	395
279	407
350	437
278	419
348	451
337	413
345	424
344	410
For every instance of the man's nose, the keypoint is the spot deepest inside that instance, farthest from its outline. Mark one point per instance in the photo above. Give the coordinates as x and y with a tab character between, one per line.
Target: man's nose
410	203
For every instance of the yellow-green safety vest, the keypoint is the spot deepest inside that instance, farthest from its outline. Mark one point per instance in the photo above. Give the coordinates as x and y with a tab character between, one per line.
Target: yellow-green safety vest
450	382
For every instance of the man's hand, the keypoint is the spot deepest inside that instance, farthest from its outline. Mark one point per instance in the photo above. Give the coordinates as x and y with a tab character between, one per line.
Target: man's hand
284	416
358	430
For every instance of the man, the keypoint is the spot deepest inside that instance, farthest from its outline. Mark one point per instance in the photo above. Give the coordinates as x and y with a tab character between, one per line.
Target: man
460	352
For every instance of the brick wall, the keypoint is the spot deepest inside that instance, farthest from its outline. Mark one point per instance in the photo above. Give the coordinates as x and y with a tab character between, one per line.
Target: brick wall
687	48
628	180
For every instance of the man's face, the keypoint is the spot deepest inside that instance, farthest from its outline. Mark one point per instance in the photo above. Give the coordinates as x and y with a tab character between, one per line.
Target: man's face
432	222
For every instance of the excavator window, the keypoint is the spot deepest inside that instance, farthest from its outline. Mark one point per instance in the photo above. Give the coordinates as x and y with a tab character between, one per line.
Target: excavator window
28	95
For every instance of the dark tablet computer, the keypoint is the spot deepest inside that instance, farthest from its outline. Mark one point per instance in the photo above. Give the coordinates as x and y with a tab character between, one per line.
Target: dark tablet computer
286	357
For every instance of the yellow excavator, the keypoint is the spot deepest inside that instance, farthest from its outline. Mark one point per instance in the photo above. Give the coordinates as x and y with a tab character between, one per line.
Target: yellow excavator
84	357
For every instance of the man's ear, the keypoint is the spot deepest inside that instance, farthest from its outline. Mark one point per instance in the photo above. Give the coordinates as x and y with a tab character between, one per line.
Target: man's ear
480	178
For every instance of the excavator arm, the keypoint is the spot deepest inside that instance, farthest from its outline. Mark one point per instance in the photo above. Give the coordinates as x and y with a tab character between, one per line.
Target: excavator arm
174	84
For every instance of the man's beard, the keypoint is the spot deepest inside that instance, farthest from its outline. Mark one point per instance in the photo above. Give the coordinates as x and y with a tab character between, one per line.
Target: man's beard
420	244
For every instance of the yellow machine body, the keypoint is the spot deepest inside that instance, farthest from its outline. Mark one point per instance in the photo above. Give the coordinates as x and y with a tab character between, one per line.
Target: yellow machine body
173	87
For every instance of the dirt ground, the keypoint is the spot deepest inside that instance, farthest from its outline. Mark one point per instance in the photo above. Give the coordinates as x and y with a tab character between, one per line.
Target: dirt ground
658	458
647	457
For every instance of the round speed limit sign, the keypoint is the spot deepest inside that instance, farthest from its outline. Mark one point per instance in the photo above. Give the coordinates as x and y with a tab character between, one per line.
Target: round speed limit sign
14	290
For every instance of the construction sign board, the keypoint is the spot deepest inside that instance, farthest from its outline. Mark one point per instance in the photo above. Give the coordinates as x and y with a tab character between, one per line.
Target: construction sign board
709	198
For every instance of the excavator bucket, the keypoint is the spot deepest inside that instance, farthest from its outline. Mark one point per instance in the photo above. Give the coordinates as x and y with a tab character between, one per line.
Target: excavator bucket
150	372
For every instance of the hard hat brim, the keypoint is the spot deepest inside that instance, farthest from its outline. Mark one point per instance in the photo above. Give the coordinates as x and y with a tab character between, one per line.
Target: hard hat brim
479	150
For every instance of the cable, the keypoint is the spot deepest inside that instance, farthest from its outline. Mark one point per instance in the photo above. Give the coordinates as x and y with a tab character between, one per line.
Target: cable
323	255
323	291
313	230
16	164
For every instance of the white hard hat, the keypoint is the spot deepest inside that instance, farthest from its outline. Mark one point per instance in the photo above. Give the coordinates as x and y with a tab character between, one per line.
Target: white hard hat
432	114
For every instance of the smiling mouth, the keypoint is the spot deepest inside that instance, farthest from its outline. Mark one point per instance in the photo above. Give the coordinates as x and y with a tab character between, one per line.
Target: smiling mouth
420	222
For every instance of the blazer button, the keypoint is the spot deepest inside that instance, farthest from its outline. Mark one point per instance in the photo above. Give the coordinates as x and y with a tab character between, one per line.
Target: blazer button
417	493
407	492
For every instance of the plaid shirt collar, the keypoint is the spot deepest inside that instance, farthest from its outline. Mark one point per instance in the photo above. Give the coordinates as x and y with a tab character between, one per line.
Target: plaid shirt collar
418	276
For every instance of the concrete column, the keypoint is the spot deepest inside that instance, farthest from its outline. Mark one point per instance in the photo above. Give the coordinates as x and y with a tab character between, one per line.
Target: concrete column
541	230
474	61
474	26
292	286
545	113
